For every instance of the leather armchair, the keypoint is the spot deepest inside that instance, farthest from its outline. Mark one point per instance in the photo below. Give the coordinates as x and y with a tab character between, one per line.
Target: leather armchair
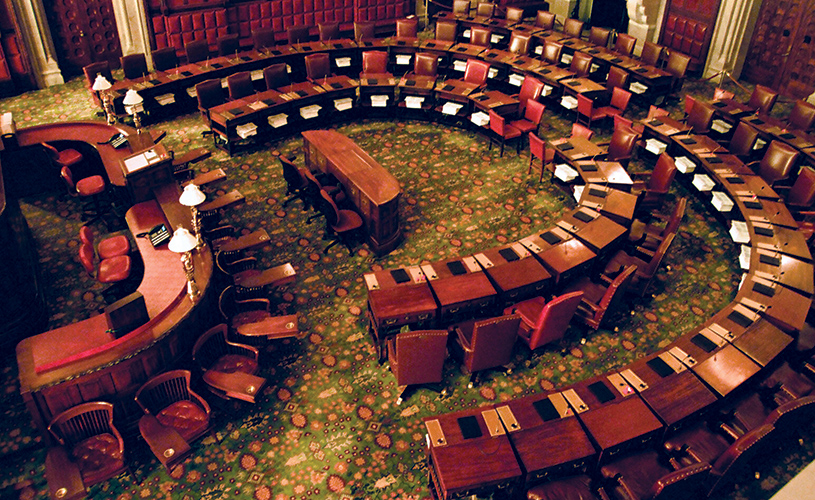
801	194
276	76
164	59
552	52
617	78
461	7
364	30
646	269
700	118
228	45
622	144
446	30
425	65
228	368
545	20
481	36
318	66
777	163
762	99
242	309
651	54
533	114
618	104
651	194
485	344
503	131
651	235
519	44
599	36
169	398
297	33
417	358
802	116
531	88
375	64
573	27
209	94
240	85
743	140
476	72
625	44
514	15
328	31
545	322
485	9
197	51
599	299
581	64
677	67
263	39
407	28
646	475
134	66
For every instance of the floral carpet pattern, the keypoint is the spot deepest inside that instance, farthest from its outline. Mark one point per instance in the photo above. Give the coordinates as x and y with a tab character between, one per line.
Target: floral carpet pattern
327	426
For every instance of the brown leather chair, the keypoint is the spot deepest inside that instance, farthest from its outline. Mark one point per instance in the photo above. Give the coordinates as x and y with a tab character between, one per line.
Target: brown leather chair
164	59
545	20
545	322
651	54
407	28
618	103
646	269
197	51
617	77
276	76
209	94
801	194
340	223
485	344
375	64
531	119
318	66
298	33
777	163
646	475
169	397
743	141
700	118
599	300
802	116
552	52
364	30
651	194
476	71
91	71
417	358
295	182
519	43
446	30
531	88
263	39
567	488
622	144
481	36
329	31
240	85
503	131
625	44
677	67
461	7
573	27
762	99
599	36
514	15
485	9
228	368
242	309
581	64
651	235
228	45
88	444
425	65
134	66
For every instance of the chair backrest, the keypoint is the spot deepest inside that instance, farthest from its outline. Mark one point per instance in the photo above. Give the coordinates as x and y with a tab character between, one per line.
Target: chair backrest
581	63
197	50
481	36
210	93
681	484
534	111
622	143
86	235
599	36
552	51
476	71
737	457
329	209
573	27
407	28
240	85
163	390
531	88
617	77
620	98
134	65
297	33
228	45
492	342
497	123
584	105
97	68
802	192
778	162
655	111
583	131
291	174
82	421
613	296
619	121
446	30
364	30
374	61
537	146
519	43
700	117
762	99
263	38
514	14
425	64
65	173
554	319
419	357
164	59
720	93
651	54
802	116
461	6
329	31
485	9
676	217
318	65
210	346
792	415
545	19
743	140
662	175
86	257
652	266
625	44
677	64
276	76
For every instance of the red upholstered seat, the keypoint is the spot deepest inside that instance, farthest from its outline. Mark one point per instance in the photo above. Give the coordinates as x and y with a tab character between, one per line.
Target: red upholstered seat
169	397
114	269
185	417
90	186
107	248
98	455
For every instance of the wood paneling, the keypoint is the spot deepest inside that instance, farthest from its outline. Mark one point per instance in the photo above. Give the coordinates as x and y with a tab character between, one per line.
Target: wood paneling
84	32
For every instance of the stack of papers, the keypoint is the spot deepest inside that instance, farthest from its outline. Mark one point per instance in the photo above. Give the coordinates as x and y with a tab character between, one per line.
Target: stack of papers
246	130
343	104
703	182
578	192
739	232
459	65
192	92
256	74
496	39
308	112
414	102
638	88
379	101
722	202
7	125
402	59
538	50
466	33
165	99
451	108
566	59
565	173
547	90
594	67
342	62
516	79
279	120
744	256
480	118
760	143
492	73
684	164
655	146
568	102
721	126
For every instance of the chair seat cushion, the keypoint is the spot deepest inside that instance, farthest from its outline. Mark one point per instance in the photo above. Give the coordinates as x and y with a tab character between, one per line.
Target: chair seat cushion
97	454
523	125
348	220
69	157
570	488
529	310
113	247
231	363
638	471
511	132
90	186
186	417
114	269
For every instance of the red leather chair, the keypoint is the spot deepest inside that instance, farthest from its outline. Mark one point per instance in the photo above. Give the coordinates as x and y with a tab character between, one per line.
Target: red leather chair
651	194
328	31
134	66
92	187
645	269
417	358
341	223
600	298
599	36
298	33
545	20
531	88
263	39
700	117
485	344
375	64
762	99
514	15
622	144
407	29
677	67
552	52
504	131
276	76
425	66
802	116
743	141
197	51
579	130
296	182
617	77
227	368
545	322
586	112
364	30
573	27
107	248
169	397
652	54
618	104
581	64
228	45
801	195
531	120
481	36
111	270
651	235
318	66
446	30
164	59
625	44
485	9
209	94
777	163
461	7
476	72
537	149
240	85
519	43
239	309
646	475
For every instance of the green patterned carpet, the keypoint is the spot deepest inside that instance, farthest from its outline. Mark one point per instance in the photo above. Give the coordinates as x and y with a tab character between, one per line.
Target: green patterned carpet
327	427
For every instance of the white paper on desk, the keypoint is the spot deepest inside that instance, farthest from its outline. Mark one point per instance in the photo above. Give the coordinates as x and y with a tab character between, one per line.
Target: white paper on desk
371	281
256	74
414	102
721	126
492	73
246	130
547	90
192	92
135	162
402	59
496	38
516	79
538	50
256	105
480	118
278	120
594	67
760	143
343	104
578	192
684	164
744	257
568	102
721	202
466	33
224	83
638	88
565	173
566	59
703	182
655	146
471	264
739	232
165	99
150	155
451	108
459	65
308	112
342	62
379	101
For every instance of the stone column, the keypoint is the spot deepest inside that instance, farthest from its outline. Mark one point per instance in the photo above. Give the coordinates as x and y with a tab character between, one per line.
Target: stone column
731	36
131	22
37	38
644	19
562	8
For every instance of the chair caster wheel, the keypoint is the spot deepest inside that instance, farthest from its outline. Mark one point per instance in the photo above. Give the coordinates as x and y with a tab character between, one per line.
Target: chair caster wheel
470	385
398	401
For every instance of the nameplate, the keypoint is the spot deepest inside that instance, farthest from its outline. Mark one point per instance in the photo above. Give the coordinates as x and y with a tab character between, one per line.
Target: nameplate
428	271
472	264
634	380
672	362
721	331
575	402
682	356
620	384
561	405
483	260
529	244
416	274
493	422
371	282
435	434
508	418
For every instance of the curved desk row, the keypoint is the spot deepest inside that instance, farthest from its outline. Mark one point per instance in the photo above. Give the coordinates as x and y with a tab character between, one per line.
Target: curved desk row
83	361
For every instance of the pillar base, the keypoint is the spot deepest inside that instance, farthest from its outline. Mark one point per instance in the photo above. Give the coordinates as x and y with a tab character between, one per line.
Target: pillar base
51	74
641	31
562	8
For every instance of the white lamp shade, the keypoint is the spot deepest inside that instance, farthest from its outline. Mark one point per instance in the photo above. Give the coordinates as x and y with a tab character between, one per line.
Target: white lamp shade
101	83
182	241
132	98
192	196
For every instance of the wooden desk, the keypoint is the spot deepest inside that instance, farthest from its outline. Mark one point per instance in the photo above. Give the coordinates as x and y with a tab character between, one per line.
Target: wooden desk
575	148
791	272
582	85
372	189
762	342
781	306
782	239
514	272
726	370
597	231
145	170
615	204
566	258
465	294
610	173
664	127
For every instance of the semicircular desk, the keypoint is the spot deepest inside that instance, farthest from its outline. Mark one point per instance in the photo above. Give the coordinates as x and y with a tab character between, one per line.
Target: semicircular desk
83	361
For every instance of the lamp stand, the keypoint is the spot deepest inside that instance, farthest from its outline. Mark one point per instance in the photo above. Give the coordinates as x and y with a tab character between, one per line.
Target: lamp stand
108	105
189	271
196	226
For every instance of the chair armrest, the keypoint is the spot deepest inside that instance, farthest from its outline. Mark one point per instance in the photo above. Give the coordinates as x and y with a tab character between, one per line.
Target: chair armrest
462	340
752	164
220	233
240	265
588	305
236	385
64	476
242	350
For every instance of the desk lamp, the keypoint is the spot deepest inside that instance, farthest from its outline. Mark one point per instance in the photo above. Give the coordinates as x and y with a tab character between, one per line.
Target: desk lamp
192	197
133	105
184	243
101	86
